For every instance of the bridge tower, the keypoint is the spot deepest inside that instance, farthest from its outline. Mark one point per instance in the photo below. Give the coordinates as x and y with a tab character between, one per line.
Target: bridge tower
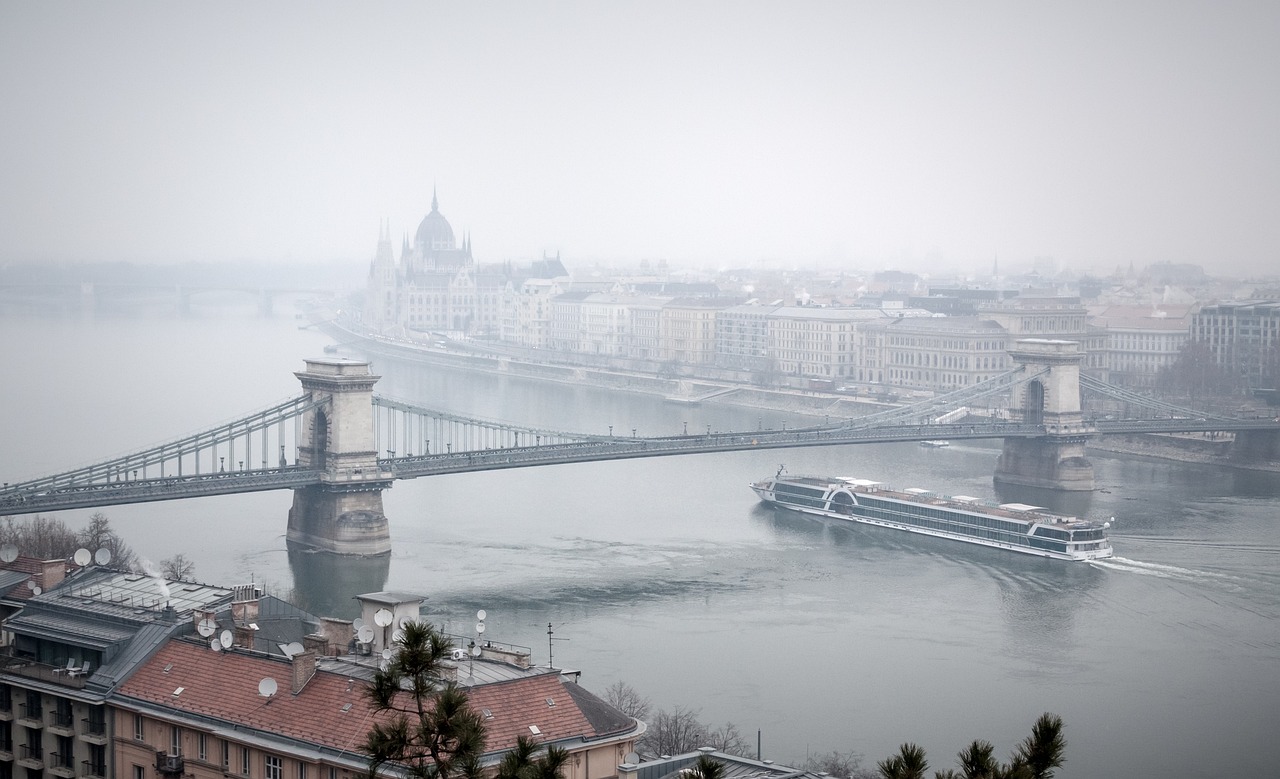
1055	460
342	514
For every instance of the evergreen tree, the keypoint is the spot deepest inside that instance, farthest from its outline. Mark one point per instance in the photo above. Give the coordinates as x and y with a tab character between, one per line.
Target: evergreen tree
429	729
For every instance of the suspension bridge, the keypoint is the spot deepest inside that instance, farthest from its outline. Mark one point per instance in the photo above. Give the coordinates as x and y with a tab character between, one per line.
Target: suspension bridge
338	445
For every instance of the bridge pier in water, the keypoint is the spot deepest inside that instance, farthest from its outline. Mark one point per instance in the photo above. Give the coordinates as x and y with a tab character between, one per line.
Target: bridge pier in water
343	514
1056	460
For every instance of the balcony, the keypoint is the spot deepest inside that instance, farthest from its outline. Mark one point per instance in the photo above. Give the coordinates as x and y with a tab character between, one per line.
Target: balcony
170	765
92	770
62	723
61	765
22	666
30	716
6	750
93	731
31	756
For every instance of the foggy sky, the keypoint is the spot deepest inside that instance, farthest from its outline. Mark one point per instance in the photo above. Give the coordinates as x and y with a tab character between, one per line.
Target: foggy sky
710	134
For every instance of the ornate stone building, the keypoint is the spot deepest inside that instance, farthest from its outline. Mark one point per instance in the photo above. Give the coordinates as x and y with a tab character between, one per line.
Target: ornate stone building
436	285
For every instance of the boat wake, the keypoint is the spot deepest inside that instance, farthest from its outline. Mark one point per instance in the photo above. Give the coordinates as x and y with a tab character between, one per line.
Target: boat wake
1159	570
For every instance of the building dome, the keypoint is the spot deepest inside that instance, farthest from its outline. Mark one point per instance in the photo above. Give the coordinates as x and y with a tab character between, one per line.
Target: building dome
434	233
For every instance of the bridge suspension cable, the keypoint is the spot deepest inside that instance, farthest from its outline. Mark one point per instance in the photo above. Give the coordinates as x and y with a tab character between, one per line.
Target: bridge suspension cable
947	402
1142	401
265	436
407	429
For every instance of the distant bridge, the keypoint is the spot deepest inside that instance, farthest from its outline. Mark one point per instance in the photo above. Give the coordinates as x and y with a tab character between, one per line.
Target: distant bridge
338	445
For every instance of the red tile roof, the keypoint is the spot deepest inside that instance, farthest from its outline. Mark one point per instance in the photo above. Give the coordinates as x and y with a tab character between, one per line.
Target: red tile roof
224	685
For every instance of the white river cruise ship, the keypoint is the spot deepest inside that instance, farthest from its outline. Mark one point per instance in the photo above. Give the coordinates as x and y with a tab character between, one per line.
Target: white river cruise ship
1013	526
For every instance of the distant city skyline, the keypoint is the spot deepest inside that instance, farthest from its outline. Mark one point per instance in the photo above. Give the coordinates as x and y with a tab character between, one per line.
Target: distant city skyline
923	137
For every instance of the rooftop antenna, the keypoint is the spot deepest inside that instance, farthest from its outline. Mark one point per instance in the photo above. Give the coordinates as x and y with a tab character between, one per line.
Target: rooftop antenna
550	640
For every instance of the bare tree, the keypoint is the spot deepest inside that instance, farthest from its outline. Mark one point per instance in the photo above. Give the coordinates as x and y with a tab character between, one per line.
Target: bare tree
727	739
99	535
627	700
844	765
177	568
45	538
673	733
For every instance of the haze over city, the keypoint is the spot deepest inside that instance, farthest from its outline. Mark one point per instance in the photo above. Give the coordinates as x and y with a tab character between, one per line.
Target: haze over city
927	136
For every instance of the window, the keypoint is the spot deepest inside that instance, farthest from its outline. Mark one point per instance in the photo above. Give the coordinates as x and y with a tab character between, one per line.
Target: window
226	756
275	768
244	761
302	770
202	746
175	740
139	772
139	731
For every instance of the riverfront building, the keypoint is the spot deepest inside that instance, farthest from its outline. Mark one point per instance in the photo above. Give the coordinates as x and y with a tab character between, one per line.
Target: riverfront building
436	284
1243	336
110	674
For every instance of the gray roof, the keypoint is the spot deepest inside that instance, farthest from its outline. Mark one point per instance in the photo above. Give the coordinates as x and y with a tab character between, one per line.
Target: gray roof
69	629
735	767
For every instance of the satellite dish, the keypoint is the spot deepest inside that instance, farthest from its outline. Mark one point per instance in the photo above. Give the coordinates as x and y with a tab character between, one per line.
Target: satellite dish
8	553
475	651
383	665
226	638
357	623
397	636
386	654
294	648
36	590
382	618
481	614
405	622
206	627
31	584
631	757
365	634
215	644
479	627
102	556
267	687
82	557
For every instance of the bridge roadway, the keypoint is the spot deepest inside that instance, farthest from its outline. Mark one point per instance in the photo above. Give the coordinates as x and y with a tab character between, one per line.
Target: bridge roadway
42	496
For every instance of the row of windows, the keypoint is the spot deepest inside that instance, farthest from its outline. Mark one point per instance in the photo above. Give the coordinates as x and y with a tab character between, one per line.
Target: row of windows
273	766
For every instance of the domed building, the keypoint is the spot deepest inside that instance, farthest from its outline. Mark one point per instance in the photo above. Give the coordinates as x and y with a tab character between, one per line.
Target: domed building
436	285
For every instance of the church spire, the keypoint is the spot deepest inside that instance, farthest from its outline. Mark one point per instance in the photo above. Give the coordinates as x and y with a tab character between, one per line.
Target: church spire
435	206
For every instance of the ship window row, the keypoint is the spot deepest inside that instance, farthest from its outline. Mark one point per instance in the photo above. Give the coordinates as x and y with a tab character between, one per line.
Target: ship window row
1007	525
992	534
794	489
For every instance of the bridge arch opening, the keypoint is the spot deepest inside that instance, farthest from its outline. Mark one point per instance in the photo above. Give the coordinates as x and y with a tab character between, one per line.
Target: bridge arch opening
1033	406
320	440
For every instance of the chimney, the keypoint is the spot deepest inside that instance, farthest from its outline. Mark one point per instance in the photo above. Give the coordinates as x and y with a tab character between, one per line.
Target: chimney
244	636
337	633
316	644
244	603
304	667
52	572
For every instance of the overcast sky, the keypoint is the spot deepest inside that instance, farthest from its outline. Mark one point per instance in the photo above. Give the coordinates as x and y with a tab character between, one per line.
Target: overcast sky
838	134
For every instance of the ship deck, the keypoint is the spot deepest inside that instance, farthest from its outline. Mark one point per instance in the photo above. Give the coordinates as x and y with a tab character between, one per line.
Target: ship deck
1019	511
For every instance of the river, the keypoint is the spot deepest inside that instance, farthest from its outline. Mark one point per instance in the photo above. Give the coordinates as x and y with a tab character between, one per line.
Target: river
666	573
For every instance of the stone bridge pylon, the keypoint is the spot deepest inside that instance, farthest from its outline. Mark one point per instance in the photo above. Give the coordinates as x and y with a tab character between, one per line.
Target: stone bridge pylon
1052	398
343	513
